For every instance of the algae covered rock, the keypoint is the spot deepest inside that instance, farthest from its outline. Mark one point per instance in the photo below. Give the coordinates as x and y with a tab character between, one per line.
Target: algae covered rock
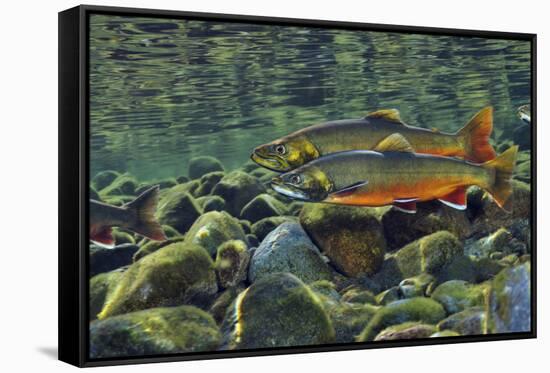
262	227
199	166
262	206
457	295
178	209
358	295
105	260
214	228
279	310
122	237
349	320
509	306
389	295
237	189
154	331
351	237
152	246
445	333
232	263
180	273
408	330
501	241
122	185
289	249
103	179
470	321
101	286
416	286
419	309
211	203
207	182
429	254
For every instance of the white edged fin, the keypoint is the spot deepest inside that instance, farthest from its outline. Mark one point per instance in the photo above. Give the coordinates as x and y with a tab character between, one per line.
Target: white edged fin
404	210
453	205
404	200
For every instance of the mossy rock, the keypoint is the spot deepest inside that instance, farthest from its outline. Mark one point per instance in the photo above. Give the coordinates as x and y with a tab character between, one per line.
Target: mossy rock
401	229
155	331
122	237
509	305
358	295
471	321
122	185
152	246
457	295
101	286
178	209
94	194
262	206
247	227
252	240
170	232
182	179
349	319
325	288
388	296
408	330
522	172
103	179
237	189
232	263
262	227
211	203
430	254
416	286
180	273
445	333
105	260
501	241
280	311
222	304
351	237
289	249
214	228
202	165
207	182
419	309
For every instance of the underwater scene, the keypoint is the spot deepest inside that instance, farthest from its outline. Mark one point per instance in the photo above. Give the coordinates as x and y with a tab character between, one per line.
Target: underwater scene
257	186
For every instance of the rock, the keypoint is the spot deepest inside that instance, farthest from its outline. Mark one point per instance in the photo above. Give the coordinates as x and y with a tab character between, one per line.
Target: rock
500	241
122	185
278	311
155	331
470	269
295	208
199	166
211	203
178	209
247	227
457	295
522	136
214	228
350	319
102	286
262	206
523	172
180	273
408	330
94	194
152	246
430	254
470	321
207	182
325	288
170	232
387	296
182	179
401	229
237	189
103	179
262	227
252	240
351	237
445	333
416	286
419	309
221	306
509	306
122	237
288	249
358	295
232	263
105	260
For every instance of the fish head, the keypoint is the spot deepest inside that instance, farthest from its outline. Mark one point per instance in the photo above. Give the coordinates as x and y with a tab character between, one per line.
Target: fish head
285	154
305	183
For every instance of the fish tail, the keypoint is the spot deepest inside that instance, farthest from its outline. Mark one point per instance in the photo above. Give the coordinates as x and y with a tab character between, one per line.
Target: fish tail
503	167
144	207
475	137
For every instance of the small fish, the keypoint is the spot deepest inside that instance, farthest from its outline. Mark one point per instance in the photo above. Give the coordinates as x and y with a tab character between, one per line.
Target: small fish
524	113
471	142
137	216
392	174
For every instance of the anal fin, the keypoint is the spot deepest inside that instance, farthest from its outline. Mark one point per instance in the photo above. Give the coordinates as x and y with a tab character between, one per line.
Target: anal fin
408	207
455	199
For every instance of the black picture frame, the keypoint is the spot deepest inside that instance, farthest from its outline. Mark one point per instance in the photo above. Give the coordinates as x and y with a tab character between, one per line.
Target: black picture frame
74	179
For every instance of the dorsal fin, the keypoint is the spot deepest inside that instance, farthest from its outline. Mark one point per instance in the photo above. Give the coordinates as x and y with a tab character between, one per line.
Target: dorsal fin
394	143
388	114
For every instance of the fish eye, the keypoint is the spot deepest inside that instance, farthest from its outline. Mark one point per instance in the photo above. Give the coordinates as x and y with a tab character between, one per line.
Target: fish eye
295	179
280	149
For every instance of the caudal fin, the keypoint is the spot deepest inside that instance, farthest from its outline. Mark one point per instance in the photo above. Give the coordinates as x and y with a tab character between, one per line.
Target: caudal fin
503	165
145	206
475	137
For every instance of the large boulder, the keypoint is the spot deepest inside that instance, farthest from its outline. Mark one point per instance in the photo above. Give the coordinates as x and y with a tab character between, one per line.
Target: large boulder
178	209
104	260
237	189
289	249
155	331
279	311
262	227
424	310
262	206
509	306
351	237
180	273
199	166
214	228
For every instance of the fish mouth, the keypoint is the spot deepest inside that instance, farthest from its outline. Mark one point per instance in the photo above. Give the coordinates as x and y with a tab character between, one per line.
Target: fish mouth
289	190
272	163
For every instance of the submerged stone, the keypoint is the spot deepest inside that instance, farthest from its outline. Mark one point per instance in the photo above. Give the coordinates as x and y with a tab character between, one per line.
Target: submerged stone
199	166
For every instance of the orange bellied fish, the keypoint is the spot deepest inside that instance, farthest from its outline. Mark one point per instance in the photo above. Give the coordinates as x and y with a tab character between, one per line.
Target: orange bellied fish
137	216
394	174
471	142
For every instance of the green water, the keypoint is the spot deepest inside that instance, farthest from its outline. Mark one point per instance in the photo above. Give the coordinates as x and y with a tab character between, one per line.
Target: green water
163	91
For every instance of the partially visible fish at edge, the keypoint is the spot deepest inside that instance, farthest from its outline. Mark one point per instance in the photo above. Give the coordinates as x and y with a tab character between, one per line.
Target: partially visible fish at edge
524	113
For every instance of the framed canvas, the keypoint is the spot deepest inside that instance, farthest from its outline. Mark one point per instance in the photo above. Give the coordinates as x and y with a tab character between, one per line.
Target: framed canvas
237	186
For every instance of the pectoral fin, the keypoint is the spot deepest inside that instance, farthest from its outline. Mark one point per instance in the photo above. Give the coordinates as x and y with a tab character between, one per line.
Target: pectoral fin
406	207
394	143
347	191
456	199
